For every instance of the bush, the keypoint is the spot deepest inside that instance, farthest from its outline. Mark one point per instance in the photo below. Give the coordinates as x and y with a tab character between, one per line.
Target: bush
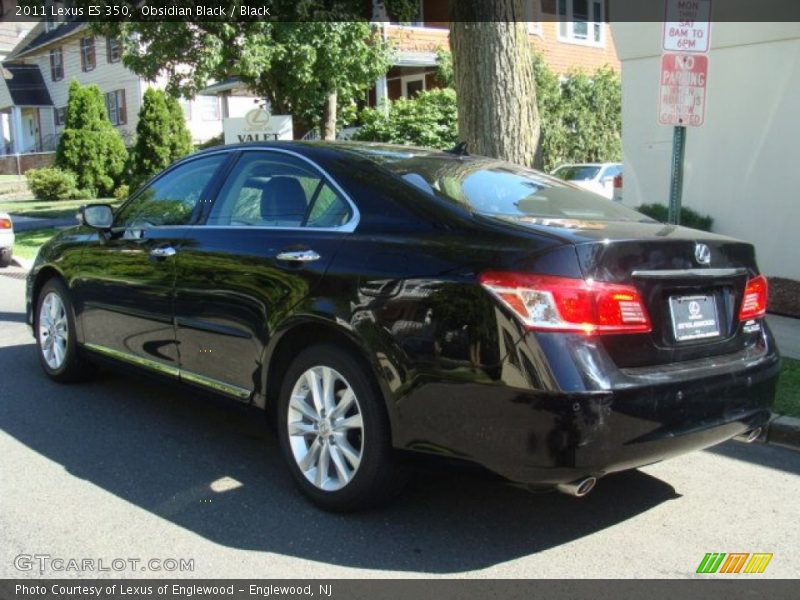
581	115
52	184
429	119
689	217
90	146
217	140
122	192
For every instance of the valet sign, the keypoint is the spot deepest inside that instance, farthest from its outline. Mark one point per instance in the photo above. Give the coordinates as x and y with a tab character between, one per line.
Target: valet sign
257	126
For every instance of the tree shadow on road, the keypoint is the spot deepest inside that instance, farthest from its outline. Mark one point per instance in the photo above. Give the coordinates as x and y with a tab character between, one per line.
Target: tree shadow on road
162	449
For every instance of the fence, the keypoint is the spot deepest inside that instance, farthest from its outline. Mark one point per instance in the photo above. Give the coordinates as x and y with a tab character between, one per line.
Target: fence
18	164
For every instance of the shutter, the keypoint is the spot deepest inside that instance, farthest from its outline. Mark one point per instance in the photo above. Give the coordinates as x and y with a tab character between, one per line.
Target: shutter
123	109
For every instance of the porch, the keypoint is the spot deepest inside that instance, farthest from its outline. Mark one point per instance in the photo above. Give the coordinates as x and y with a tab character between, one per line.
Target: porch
27	119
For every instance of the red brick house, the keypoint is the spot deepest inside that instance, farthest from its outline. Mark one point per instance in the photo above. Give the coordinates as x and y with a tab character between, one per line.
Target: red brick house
570	34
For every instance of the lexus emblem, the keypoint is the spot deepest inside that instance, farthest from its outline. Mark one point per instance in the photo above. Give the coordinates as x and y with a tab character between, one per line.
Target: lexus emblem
703	254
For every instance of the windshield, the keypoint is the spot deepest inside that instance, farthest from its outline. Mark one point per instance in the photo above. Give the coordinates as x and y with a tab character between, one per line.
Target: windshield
577	172
497	188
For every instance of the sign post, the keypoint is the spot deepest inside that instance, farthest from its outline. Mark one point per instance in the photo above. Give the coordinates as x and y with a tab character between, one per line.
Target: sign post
684	73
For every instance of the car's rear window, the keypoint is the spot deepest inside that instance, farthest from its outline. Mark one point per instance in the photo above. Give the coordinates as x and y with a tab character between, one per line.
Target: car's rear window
498	188
577	172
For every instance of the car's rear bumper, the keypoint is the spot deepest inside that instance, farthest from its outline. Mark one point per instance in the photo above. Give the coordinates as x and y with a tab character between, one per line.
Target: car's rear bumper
648	415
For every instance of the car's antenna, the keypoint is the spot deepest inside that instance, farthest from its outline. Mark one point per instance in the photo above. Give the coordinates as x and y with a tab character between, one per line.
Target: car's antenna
460	149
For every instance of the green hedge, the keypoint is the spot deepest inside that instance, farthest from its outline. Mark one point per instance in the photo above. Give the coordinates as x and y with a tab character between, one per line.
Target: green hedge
53	184
429	119
689	217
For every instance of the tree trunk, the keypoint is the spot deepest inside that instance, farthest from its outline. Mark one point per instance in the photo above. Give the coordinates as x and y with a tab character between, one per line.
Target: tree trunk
328	127
496	91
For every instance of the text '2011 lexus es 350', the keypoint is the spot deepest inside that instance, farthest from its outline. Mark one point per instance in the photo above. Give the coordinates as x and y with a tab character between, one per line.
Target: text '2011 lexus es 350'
384	300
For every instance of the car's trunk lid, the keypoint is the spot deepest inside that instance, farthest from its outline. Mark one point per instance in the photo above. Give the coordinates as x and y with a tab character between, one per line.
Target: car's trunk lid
691	282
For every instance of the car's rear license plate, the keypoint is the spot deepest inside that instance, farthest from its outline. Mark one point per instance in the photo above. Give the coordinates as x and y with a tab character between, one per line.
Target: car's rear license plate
694	317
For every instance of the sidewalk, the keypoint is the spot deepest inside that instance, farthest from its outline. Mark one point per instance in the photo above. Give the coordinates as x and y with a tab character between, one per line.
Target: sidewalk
787	334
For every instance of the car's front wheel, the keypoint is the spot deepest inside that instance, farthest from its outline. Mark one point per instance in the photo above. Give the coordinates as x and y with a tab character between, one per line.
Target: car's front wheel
55	335
334	431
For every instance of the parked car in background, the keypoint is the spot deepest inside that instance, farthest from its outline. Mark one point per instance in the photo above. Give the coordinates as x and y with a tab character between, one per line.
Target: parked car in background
383	300
6	239
595	177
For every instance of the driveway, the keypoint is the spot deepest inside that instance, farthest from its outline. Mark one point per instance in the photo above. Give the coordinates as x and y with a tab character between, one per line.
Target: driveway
126	467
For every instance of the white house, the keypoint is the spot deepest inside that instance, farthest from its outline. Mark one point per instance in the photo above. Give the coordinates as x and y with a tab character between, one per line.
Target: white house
739	164
35	89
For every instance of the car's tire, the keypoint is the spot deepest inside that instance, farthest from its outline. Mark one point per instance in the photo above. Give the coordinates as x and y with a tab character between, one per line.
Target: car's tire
338	450
54	328
5	258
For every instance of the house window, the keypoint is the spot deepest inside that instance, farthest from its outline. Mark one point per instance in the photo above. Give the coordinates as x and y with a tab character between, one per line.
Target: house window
533	16
413	85
88	59
56	64
209	108
115	104
581	22
418	19
60	116
113	49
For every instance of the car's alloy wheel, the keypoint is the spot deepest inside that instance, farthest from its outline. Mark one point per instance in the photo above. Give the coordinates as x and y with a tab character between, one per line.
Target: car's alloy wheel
55	335
53	331
326	429
334	430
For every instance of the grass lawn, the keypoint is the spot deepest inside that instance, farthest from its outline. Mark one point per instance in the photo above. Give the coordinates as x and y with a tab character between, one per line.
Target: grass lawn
56	209
787	401
26	243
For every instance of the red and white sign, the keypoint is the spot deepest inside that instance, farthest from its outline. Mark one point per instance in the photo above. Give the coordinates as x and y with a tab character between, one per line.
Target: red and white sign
687	26
682	91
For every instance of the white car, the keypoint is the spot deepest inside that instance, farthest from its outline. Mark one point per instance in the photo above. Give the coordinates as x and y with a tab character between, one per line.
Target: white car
6	239
595	177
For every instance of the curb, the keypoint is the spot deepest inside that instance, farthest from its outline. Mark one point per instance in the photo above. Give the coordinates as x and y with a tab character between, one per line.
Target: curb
784	432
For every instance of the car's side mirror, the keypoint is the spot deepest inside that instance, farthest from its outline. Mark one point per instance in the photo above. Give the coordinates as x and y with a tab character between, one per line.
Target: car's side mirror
98	216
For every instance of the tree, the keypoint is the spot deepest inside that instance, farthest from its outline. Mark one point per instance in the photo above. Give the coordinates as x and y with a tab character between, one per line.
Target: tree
497	113
181	138
90	146
154	138
305	69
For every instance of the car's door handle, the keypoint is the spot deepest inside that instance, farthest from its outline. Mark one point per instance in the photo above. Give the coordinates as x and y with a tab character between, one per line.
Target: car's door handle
298	255
163	252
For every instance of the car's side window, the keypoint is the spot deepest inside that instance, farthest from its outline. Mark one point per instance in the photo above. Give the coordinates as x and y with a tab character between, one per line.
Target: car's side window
268	189
171	199
612	172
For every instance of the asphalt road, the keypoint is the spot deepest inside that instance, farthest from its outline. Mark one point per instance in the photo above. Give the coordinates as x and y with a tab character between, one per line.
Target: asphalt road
126	468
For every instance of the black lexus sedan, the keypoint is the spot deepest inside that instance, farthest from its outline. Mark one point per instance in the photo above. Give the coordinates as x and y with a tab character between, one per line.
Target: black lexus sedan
383	300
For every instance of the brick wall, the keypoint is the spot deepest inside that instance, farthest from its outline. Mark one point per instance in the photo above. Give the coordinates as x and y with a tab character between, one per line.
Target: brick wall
8	164
562	56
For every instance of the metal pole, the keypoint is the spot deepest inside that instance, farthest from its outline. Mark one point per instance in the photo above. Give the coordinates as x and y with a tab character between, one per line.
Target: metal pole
676	181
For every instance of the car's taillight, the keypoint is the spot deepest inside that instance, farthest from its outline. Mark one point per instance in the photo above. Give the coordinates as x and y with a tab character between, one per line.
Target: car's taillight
618	182
564	304
5	223
754	303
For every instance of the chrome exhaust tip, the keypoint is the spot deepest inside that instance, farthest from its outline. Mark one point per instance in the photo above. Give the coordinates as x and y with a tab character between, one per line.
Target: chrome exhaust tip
578	488
748	437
